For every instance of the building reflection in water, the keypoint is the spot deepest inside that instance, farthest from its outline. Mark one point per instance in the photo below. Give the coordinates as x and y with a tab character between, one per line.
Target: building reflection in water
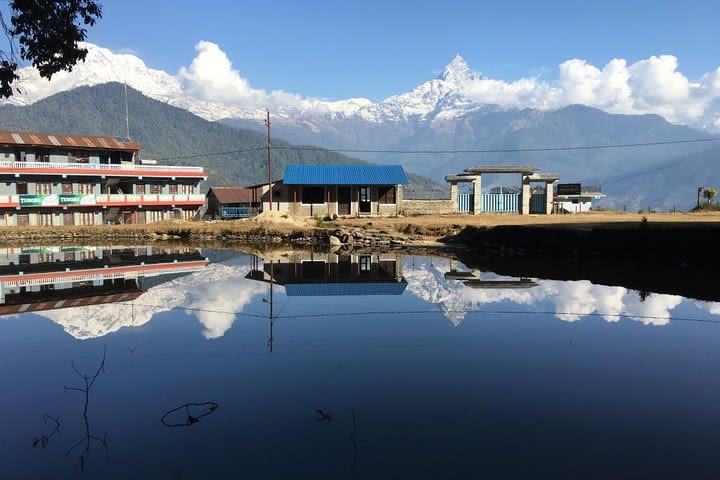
472	279
307	274
48	278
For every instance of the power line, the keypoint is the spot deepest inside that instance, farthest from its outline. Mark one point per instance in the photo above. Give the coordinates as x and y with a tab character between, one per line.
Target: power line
671	163
503	150
453	151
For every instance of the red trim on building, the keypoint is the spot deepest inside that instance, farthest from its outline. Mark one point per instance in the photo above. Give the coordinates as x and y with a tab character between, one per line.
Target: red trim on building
97	271
106	173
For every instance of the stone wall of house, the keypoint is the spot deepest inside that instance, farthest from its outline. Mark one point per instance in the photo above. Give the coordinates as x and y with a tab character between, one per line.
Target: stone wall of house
427	207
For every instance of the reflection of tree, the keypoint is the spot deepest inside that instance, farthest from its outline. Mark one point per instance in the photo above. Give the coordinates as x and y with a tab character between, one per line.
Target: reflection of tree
353	438
190	419
88	439
43	440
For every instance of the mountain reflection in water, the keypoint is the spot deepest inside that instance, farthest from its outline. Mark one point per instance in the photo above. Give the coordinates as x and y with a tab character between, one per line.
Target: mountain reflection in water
371	364
87	289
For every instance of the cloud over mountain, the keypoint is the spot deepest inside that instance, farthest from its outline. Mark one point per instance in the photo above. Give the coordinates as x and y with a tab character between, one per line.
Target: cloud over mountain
213	87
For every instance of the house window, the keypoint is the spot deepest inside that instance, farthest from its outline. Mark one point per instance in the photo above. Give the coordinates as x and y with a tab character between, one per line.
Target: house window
82	156
86	218
67	187
43	188
313	195
23	219
85	188
173	189
45	219
140	188
155	188
386	194
45	258
21	188
364	263
42	157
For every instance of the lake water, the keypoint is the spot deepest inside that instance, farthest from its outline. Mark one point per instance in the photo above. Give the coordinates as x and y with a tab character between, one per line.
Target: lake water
372	366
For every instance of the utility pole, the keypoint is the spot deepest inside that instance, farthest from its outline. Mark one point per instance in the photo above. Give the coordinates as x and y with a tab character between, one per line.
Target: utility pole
700	189
267	122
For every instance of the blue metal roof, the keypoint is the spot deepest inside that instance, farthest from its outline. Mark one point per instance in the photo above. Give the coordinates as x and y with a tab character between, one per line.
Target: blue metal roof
333	289
344	175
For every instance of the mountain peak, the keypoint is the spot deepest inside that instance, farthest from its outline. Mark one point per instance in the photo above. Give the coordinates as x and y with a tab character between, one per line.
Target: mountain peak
457	70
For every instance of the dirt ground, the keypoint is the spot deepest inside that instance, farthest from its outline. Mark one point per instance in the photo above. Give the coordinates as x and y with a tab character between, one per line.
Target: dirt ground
441	224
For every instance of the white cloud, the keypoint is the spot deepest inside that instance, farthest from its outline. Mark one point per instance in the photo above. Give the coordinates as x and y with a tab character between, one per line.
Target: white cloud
652	85
211	85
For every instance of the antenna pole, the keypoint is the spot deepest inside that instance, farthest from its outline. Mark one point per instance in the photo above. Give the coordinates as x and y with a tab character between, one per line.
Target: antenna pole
267	122
127	116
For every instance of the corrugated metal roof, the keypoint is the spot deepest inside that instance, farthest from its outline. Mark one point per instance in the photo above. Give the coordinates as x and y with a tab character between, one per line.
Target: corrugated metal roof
339	289
226	195
345	175
34	139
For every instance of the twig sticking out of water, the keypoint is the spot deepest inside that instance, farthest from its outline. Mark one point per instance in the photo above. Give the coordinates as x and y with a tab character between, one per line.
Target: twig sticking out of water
43	440
89	381
324	416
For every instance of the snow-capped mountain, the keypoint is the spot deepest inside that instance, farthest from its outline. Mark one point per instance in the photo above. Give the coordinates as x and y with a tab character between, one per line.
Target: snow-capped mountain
459	109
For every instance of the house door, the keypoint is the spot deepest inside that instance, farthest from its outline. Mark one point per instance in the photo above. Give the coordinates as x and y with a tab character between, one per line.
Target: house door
343	200
364	200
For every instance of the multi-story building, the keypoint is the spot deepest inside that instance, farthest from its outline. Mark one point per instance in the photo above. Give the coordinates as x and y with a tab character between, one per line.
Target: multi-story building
48	278
57	179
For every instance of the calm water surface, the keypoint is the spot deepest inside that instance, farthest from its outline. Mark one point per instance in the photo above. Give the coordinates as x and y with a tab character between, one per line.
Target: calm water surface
372	366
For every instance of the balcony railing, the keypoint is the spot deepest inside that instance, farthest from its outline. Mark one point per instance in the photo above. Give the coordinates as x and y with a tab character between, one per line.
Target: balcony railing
100	169
103	200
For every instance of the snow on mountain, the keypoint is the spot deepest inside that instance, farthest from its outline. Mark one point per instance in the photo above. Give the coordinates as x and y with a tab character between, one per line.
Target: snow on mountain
204	293
570	300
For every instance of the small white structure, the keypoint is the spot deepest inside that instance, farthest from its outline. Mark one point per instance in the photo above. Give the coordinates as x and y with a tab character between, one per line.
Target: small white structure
576	198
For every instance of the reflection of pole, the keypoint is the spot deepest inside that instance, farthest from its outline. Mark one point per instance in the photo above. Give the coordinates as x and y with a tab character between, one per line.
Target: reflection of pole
272	321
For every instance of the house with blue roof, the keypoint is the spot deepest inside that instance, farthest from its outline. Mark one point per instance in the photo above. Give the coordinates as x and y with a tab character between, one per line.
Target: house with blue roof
310	190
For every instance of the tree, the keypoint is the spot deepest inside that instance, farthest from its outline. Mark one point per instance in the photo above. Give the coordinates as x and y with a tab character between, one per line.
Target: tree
46	34
709	193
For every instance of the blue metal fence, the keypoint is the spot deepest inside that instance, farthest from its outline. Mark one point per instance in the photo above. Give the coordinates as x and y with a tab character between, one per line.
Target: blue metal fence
238	212
500	202
537	203
465	202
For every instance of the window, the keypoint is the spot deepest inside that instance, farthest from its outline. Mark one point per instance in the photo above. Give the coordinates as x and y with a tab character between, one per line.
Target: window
69	256
23	219
46	258
364	194
45	219
312	195
86	218
42	157
67	187
82	156
85	188
140	188
155	188
386	194
365	263
173	189
187	189
43	188
21	188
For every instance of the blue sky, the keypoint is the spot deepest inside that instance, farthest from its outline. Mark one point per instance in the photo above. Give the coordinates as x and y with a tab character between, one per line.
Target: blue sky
376	49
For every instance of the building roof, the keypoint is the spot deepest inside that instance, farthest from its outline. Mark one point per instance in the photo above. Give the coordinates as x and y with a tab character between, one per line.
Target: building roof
226	195
480	169
345	175
343	289
63	141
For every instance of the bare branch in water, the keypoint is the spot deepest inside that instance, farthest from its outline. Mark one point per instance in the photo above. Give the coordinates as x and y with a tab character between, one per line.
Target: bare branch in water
43	440
88	439
190	419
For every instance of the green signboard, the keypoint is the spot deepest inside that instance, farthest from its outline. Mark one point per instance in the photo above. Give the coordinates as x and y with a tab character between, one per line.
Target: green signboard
56	200
38	200
76	199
